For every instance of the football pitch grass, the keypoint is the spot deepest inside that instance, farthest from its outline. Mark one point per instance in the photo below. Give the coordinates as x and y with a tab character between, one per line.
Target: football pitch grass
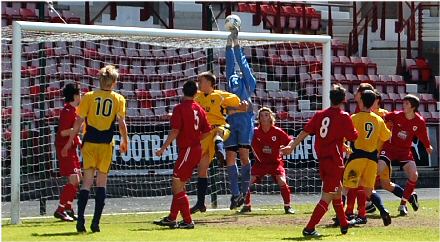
265	223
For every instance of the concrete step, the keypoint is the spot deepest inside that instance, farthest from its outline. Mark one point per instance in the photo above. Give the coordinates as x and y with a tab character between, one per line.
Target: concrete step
380	53
379	44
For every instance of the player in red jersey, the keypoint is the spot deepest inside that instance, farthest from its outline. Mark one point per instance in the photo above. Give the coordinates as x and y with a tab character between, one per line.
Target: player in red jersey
70	166
405	125
189	126
331	126
267	142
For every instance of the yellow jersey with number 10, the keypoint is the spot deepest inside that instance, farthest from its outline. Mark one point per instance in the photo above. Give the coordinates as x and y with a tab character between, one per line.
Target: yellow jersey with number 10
100	109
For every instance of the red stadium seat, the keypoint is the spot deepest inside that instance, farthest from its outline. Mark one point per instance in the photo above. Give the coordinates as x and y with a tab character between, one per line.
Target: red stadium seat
244	7
28	14
11	14
371	66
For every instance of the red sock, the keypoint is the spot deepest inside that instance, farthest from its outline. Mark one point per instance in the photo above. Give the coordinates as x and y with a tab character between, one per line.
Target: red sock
184	208
67	195
320	209
175	206
351	199
285	193
247	201
71	197
361	200
339	209
409	189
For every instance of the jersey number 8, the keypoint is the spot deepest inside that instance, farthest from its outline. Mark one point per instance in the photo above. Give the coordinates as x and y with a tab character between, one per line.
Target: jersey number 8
324	127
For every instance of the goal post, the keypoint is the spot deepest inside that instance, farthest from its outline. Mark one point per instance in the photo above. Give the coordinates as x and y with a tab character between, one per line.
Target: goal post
19	26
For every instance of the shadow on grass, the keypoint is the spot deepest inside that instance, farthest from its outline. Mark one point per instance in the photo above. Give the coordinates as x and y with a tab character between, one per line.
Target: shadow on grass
377	216
217	221
302	238
35	223
56	234
150	229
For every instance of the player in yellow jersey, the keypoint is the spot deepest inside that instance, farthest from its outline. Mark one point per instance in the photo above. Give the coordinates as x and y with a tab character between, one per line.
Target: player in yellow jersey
215	103
361	167
99	109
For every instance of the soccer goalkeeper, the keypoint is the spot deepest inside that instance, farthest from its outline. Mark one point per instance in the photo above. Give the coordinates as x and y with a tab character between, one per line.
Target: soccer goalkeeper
241	122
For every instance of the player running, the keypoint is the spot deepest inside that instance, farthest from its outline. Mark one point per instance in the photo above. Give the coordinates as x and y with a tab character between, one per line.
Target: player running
331	126
241	123
215	103
99	109
361	168
267	143
188	130
405	126
70	166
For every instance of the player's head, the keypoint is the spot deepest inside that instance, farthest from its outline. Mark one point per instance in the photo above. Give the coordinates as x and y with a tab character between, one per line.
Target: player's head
378	100
368	97
189	89
206	81
266	116
410	103
362	87
71	94
108	76
337	95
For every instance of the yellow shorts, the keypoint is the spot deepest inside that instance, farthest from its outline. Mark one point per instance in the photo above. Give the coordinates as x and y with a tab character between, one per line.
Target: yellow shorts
361	171
97	156
386	173
208	143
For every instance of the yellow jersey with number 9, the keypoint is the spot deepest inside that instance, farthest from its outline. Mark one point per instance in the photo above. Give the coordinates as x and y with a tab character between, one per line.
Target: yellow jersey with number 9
100	109
372	130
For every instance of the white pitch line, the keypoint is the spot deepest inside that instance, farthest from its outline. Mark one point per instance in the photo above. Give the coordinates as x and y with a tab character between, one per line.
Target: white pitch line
136	213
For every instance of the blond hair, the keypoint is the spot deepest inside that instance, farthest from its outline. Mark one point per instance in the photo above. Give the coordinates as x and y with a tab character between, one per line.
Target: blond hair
107	76
266	109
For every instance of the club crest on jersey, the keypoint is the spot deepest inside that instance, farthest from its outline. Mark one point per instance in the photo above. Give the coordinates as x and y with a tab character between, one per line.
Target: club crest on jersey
402	134
267	150
414	128
212	101
274	138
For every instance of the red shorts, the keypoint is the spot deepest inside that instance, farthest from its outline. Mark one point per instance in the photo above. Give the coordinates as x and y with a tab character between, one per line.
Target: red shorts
70	164
331	175
402	156
187	160
259	170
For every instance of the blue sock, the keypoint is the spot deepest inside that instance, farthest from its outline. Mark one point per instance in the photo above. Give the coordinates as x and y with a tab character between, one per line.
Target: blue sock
398	191
99	204
202	186
83	197
233	179
375	199
245	178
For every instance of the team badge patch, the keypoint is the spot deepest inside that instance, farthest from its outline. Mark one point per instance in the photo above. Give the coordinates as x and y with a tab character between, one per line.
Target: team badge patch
414	128
274	138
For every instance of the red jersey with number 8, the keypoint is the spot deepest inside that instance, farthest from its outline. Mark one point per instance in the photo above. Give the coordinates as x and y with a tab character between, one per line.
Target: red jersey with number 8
331	126
190	119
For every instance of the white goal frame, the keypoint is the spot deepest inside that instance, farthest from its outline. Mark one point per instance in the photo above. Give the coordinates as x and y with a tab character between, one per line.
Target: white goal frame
19	26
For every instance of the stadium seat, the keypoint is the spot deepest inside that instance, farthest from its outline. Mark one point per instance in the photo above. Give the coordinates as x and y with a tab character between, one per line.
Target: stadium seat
371	66
348	66
10	14
399	83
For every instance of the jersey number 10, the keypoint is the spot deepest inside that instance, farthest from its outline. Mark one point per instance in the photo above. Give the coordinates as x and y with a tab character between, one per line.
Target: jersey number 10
104	108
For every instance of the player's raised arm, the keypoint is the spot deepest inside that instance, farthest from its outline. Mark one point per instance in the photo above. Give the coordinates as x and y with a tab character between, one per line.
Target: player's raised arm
229	55
248	77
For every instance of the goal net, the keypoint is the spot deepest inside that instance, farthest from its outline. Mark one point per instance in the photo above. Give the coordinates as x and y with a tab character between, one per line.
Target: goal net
153	65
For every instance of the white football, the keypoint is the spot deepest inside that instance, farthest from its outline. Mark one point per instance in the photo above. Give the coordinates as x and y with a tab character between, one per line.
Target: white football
232	21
